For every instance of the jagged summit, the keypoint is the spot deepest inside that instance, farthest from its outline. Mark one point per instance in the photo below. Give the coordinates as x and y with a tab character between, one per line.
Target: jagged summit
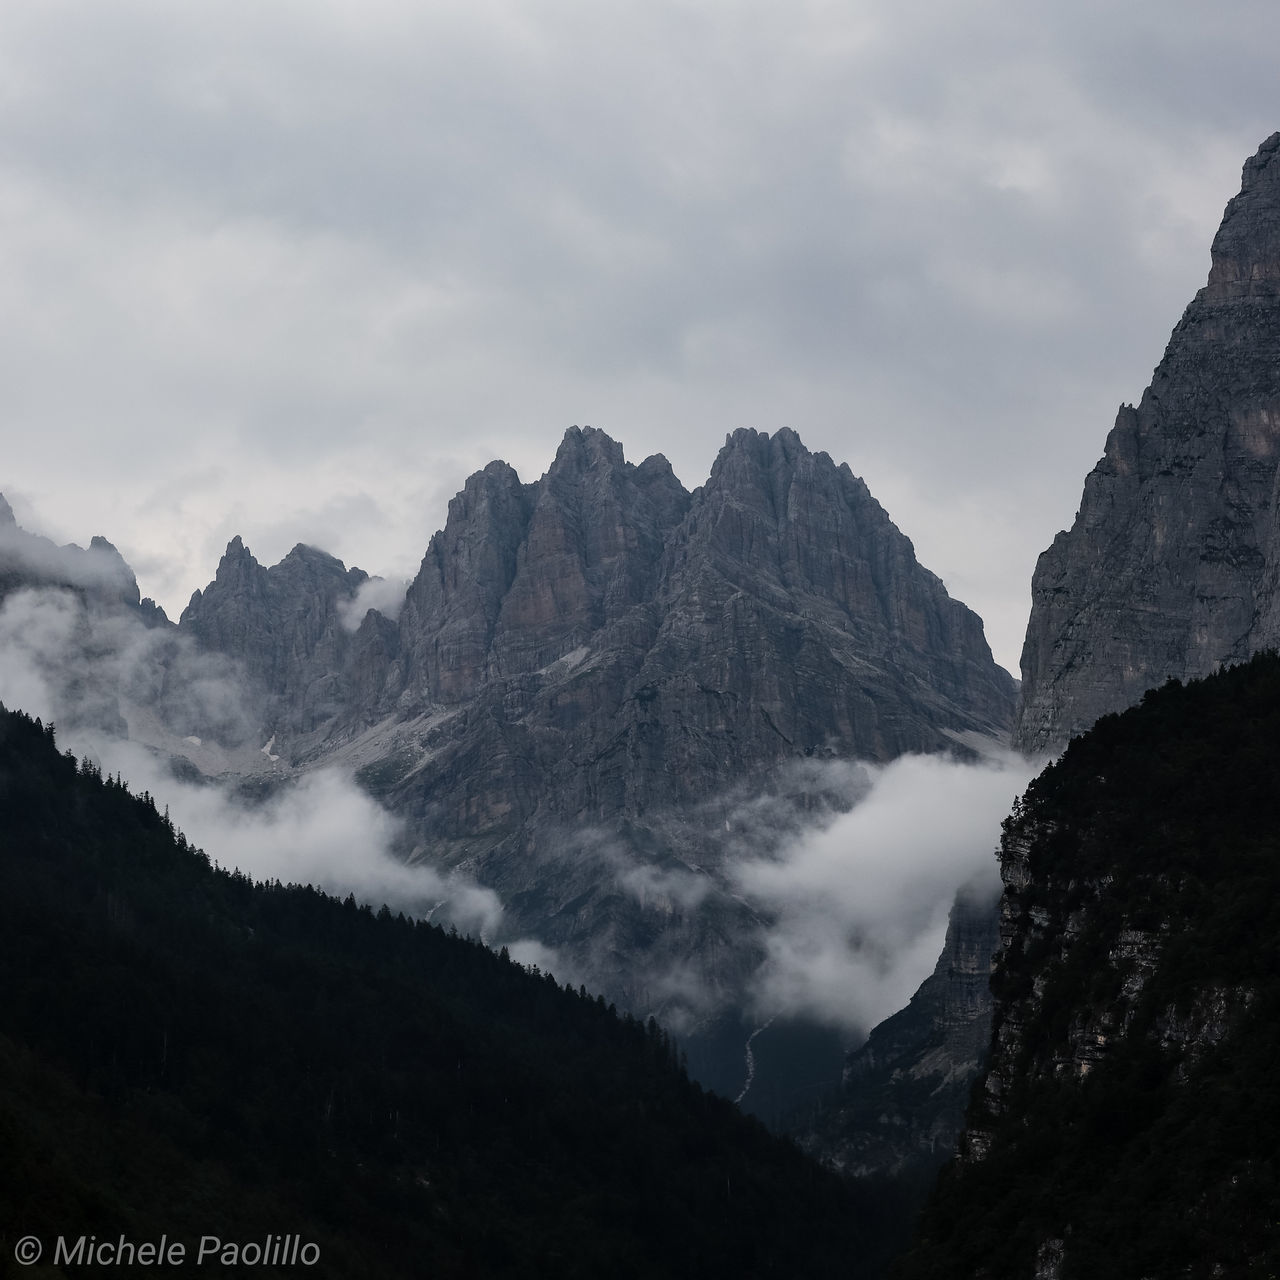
98	571
1246	250
606	556
285	624
1170	568
584	447
595	653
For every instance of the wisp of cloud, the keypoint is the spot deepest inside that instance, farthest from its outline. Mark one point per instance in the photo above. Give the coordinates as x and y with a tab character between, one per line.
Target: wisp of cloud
859	907
83	669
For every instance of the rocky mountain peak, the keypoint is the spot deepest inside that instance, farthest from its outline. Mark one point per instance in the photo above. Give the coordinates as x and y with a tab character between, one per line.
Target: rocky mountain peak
1172	566
1246	250
237	561
584	448
755	461
285	624
583	659
114	569
523	574
98	572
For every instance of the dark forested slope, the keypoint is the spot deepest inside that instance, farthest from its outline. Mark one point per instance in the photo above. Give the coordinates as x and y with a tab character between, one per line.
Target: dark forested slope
184	1051
1129	1122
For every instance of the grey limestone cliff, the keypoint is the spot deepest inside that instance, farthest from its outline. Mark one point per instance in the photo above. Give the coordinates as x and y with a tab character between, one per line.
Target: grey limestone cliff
584	663
1126	1122
905	1091
1170	568
283	624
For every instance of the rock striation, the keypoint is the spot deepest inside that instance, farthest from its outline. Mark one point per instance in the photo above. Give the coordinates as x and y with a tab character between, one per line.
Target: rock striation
1170	568
905	1091
284	625
597	684
583	662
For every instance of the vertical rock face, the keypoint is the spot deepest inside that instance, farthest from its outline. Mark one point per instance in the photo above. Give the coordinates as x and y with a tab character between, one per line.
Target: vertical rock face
1170	568
584	661
635	647
1126	1124
284	625
452	608
590	554
524	574
790	593
907	1088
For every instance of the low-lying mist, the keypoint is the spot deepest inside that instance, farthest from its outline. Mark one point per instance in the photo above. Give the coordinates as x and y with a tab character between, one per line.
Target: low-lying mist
824	895
92	673
858	906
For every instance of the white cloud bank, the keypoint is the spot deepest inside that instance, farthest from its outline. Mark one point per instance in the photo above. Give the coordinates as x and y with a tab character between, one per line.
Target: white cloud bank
292	271
859	907
852	867
386	595
78	669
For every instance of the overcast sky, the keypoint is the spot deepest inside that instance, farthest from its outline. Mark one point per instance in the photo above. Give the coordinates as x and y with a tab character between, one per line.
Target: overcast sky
293	270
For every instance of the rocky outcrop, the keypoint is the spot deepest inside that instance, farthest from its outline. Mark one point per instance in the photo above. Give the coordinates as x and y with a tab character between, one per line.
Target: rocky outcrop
591	675
1170	568
98	573
1125	1124
906	1090
284	626
584	662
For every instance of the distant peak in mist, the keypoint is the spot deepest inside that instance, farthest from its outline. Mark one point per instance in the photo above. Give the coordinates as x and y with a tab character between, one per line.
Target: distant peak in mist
30	560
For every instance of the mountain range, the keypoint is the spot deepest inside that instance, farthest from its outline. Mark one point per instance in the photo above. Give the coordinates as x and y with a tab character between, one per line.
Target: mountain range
1168	572
601	694
187	1055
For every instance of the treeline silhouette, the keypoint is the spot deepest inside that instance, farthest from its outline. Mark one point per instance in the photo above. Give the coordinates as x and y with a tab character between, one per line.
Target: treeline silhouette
1160	823
183	1050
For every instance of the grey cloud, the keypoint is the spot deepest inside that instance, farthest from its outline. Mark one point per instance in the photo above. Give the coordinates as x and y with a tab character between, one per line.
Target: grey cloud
318	829
382	594
98	567
354	248
821	892
99	676
664	889
857	908
102	668
653	877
